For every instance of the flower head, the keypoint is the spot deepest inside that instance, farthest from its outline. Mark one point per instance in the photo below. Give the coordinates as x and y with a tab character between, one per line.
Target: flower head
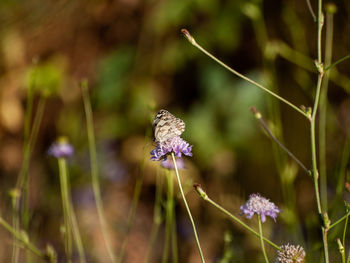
261	206
290	254
169	164
61	149
176	145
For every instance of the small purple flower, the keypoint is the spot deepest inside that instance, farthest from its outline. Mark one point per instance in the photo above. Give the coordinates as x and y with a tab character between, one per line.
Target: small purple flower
176	145
261	206
169	164
290	254
61	149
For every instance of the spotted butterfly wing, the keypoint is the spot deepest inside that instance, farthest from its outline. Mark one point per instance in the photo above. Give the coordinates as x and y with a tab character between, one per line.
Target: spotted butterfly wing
166	126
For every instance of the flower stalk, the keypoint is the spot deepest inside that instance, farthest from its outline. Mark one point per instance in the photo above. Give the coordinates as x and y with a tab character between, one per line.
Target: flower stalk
187	208
262	240
94	168
194	43
205	197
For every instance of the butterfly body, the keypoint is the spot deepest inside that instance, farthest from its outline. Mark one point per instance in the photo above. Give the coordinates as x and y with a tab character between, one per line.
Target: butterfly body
166	126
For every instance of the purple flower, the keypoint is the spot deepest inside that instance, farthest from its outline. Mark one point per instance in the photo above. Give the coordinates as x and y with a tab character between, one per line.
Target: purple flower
176	145
61	149
261	206
290	254
169	164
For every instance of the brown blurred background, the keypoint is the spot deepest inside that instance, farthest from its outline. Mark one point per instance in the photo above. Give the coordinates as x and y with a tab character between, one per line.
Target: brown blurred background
137	62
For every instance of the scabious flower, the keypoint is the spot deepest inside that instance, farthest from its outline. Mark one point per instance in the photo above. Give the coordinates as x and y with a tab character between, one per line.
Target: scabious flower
169	164
261	206
61	149
290	254
176	145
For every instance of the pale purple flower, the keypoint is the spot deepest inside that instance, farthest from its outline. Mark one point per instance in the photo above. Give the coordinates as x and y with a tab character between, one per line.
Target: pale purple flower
169	164
176	145
261	206
290	254
61	149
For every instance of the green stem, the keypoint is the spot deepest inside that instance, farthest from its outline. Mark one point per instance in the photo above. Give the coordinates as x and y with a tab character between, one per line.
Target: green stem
174	239
258	116
157	217
65	204
311	10
341	248
234	218
131	217
94	168
76	234
172	218
187	208
320	21
345	228
337	62
168	217
323	112
22	183
194	43
339	221
73	218
22	238
262	240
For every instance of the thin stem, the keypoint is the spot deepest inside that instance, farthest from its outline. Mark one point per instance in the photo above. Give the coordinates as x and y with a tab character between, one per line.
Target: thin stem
339	221
234	218
345	228
262	240
157	217
320	20
22	183
65	204
22	238
323	111
342	169
77	236
132	213
168	217
73	219
337	62
314	166
94	168
194	43
311	10
320	68
174	239
172	217
187	208
266	128
313	144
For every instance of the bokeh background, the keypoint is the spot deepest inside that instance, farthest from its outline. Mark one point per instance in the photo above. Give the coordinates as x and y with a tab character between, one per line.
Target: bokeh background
137	62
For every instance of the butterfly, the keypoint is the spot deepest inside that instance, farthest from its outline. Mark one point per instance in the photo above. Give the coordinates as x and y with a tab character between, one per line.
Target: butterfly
166	126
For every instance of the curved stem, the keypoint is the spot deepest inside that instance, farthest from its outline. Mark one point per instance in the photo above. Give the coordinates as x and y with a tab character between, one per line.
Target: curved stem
194	43
337	62
311	10
188	209
21	238
234	218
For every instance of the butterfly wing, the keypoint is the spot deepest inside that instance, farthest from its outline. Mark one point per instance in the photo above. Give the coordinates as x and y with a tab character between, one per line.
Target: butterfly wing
167	126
